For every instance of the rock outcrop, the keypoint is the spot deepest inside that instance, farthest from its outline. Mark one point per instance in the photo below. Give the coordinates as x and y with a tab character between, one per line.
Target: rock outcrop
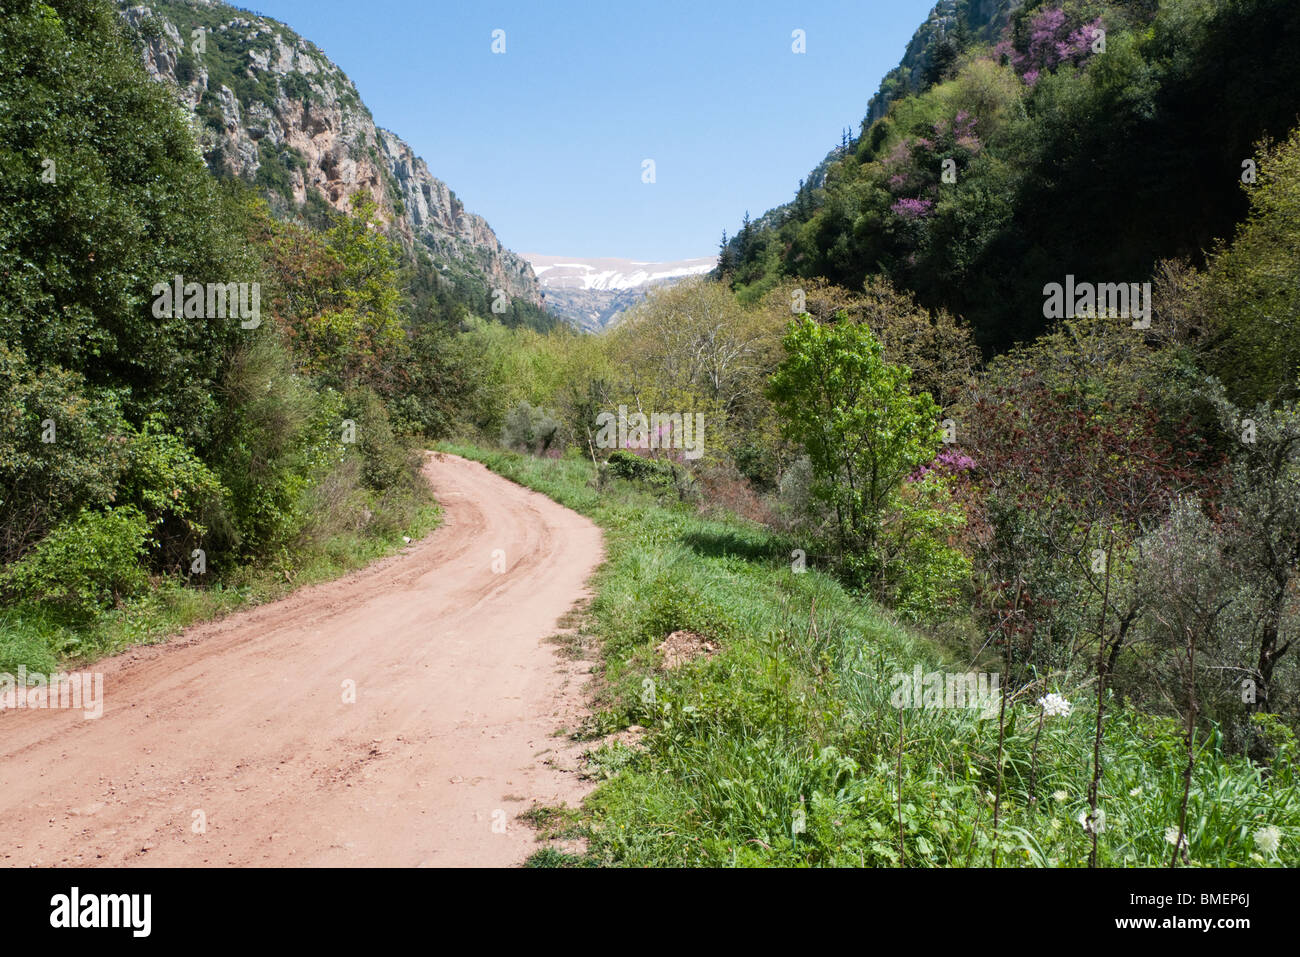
270	108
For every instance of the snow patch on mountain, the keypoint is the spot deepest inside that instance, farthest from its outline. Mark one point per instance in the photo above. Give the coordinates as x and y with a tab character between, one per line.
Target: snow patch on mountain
592	293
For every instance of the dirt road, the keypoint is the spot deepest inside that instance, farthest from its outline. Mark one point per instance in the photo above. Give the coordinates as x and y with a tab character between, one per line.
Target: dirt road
243	726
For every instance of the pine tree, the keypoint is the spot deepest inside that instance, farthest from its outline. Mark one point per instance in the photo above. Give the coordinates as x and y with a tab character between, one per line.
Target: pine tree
725	264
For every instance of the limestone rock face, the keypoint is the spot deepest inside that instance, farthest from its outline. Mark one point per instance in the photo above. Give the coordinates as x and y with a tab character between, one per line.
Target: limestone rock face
269	107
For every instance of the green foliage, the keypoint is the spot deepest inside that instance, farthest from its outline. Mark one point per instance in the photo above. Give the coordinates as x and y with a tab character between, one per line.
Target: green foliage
130	205
1171	108
1251	295
128	439
925	574
338	296
782	749
529	429
385	459
85	564
863	429
62	447
175	491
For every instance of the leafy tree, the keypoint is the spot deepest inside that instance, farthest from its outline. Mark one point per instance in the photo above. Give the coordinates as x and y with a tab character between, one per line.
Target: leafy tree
338	297
863	428
1251	293
1262	504
102	196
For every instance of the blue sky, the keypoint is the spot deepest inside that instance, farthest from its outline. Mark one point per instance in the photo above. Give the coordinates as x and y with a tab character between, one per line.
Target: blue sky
546	141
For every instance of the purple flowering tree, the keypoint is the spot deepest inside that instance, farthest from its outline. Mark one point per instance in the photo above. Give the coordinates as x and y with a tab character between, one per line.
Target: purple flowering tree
1051	43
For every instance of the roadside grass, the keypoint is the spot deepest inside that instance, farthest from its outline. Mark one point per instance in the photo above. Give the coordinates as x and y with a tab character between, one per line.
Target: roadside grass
33	637
783	749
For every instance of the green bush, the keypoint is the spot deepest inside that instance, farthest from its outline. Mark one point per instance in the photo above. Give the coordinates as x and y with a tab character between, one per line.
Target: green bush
83	565
385	458
174	489
62	448
529	429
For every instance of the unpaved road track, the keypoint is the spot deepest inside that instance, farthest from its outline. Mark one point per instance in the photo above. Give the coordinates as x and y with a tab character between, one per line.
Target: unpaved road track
452	734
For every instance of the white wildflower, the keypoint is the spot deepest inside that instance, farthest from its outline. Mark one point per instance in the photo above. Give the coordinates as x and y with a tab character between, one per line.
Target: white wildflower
1268	839
1089	825
1053	704
1059	796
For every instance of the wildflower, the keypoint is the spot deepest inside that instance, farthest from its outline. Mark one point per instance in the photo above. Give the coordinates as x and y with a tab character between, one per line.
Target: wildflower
1092	825
1136	792
1059	796
1053	704
1171	837
1268	839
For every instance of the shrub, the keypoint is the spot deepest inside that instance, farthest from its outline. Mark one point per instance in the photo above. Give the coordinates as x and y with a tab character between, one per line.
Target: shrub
173	488
529	429
385	459
85	564
43	482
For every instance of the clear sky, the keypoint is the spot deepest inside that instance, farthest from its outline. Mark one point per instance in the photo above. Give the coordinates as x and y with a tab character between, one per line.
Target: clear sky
547	140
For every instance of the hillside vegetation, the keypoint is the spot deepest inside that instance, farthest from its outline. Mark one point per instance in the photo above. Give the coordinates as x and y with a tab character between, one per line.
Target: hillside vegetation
783	747
159	464
1106	518
1093	137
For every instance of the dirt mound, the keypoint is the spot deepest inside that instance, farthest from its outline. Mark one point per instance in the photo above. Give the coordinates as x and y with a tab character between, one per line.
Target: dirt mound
683	646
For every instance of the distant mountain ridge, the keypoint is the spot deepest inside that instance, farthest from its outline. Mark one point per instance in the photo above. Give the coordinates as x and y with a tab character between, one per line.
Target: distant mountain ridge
271	108
592	293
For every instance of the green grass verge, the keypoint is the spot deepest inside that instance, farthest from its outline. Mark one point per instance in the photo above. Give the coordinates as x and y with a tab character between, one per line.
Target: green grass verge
784	749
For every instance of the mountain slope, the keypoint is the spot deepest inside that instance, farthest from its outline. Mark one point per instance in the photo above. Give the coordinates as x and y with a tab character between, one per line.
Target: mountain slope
950	28
1094	140
591	293
270	108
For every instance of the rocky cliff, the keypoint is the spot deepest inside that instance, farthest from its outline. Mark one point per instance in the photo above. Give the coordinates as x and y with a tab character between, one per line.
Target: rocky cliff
270	108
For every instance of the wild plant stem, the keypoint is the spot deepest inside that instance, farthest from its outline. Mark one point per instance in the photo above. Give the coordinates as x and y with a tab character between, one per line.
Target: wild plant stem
902	850
1191	744
1101	706
1033	762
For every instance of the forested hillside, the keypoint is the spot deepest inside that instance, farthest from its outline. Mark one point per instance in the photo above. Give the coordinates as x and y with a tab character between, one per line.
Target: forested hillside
1092	138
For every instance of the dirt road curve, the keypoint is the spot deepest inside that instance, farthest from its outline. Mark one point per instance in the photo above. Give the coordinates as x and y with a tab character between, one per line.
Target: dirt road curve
458	697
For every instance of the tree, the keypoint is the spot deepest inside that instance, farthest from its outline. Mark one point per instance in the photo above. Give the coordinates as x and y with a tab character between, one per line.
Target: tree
338	298
726	262
863	428
1263	503
103	195
1251	286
